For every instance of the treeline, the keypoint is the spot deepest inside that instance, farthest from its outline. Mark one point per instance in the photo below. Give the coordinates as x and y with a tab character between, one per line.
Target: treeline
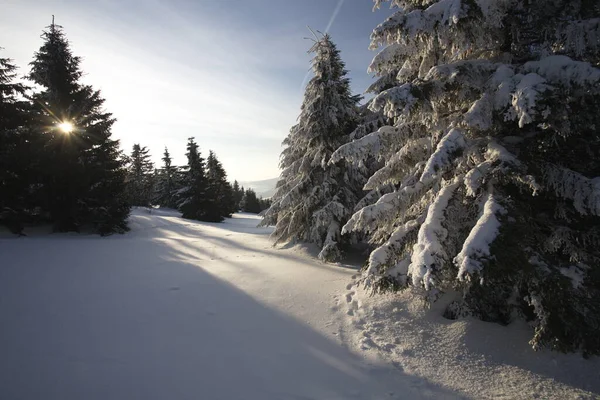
472	172
59	163
199	189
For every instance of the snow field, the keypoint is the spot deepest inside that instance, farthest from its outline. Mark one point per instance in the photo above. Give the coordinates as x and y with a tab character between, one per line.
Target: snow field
177	309
184	310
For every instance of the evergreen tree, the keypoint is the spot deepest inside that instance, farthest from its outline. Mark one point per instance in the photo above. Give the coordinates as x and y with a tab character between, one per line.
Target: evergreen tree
192	196
238	194
264	204
167	183
15	150
219	191
494	173
250	202
314	198
140	177
82	170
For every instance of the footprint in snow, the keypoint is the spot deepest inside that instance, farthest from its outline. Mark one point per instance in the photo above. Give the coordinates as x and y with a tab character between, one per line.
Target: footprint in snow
349	297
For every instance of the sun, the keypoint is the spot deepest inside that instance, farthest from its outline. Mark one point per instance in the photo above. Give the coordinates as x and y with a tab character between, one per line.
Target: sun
66	127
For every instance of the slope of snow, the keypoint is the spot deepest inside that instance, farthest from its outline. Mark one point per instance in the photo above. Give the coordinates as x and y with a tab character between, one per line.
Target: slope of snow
178	309
477	359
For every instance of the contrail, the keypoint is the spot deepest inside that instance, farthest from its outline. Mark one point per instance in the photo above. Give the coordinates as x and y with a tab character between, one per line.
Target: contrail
335	14
336	11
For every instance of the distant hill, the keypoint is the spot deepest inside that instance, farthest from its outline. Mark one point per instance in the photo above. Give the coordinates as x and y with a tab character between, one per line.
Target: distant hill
264	188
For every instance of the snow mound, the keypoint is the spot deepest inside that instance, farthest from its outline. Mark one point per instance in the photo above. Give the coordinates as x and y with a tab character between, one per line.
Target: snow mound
477	359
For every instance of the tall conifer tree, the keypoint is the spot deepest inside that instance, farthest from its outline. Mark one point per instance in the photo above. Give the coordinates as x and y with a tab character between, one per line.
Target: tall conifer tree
83	171
140	177
192	197
314	198
167	182
219	191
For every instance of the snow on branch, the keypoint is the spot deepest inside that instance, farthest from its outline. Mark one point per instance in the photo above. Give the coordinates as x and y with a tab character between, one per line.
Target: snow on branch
470	73
385	80
330	250
495	153
367	218
331	211
384	253
476	248
395	102
373	196
428	253
524	101
564	70
579	37
373	144
389	58
453	141
405	24
568	184
575	273
406	5
393	170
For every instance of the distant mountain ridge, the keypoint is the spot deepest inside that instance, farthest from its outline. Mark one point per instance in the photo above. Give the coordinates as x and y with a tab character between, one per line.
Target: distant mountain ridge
264	188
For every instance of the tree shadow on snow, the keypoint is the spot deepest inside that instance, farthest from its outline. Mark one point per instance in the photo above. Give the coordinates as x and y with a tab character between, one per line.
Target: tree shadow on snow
131	317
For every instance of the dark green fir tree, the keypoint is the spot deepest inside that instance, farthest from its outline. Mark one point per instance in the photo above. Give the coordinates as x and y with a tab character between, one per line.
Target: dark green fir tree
192	200
15	149
167	182
83	174
140	177
220	192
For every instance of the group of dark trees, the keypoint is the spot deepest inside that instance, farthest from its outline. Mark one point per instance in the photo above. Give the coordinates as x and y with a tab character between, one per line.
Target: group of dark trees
472	172
59	164
199	189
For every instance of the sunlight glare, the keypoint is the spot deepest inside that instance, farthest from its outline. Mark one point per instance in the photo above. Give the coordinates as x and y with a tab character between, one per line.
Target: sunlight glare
66	127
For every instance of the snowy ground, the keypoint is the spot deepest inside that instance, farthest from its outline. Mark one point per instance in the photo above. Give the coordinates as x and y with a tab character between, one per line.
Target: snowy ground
177	309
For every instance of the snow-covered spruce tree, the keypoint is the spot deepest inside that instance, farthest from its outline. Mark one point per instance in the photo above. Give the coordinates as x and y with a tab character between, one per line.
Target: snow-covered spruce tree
82	169
219	191
192	196
313	199
140	177
167	183
493	156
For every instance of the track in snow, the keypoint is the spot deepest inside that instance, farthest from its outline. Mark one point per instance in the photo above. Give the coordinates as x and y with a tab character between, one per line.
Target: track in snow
181	310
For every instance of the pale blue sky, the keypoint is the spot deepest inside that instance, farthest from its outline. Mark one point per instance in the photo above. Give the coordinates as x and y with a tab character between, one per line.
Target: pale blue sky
228	72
